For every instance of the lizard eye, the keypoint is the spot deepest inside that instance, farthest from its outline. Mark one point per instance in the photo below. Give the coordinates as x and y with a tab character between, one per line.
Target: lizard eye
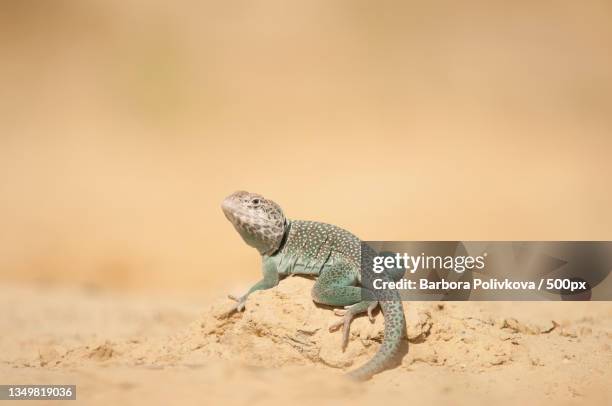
255	201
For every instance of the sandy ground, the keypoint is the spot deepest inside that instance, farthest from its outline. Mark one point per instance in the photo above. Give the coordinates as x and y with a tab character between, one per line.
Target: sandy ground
124	123
135	350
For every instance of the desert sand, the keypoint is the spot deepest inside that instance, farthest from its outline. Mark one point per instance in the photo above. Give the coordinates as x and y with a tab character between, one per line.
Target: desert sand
144	349
124	123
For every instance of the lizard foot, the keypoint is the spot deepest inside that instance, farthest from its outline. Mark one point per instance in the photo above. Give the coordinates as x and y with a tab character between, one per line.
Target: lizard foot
345	323
371	308
240	302
348	314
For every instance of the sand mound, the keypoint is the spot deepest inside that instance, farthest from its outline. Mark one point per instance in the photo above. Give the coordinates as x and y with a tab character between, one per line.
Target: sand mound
128	350
283	327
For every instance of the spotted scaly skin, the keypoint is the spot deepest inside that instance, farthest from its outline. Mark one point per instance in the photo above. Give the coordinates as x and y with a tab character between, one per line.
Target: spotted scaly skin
295	247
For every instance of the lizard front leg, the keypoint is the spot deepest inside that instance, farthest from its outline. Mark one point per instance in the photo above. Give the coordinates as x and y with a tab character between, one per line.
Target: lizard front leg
270	279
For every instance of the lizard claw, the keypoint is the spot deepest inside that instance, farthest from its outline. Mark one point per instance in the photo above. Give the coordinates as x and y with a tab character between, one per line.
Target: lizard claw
241	301
345	323
370	310
340	312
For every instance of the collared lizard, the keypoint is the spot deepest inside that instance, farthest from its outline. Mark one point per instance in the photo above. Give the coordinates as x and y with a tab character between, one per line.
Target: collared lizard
332	254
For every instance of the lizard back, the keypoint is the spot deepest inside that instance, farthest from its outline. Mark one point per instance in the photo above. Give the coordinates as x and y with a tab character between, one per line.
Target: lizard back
309	246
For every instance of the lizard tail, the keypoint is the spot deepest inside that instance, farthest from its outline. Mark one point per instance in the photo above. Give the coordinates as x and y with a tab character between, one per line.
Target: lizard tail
395	330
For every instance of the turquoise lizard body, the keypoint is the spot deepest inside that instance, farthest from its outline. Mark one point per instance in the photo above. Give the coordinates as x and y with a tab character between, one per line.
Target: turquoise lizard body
294	247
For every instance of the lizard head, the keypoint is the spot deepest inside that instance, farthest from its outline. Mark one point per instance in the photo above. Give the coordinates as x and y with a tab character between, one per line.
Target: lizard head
259	221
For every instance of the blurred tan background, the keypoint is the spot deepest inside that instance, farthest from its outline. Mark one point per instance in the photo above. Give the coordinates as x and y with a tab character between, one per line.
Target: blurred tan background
124	123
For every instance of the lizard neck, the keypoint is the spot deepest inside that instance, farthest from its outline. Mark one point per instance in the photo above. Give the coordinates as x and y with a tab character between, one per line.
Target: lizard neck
283	241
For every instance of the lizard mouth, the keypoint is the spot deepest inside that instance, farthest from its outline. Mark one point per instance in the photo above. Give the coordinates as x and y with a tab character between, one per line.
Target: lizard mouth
233	212
228	208
230	215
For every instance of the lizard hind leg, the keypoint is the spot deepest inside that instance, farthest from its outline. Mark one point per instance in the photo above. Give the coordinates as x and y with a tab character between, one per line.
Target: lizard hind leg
335	287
